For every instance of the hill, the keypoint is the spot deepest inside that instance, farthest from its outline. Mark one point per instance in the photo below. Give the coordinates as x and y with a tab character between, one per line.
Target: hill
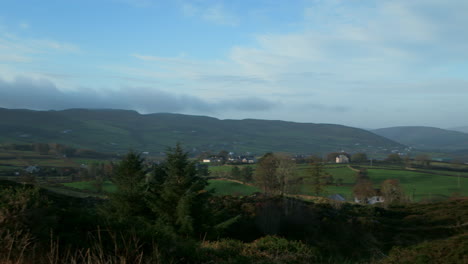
426	138
120	130
463	129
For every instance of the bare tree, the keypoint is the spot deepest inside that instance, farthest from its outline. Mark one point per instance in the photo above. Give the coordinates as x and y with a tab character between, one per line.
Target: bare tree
392	191
363	190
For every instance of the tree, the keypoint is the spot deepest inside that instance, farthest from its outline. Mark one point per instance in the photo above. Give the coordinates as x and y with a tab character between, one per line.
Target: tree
236	173
315	159
276	174
423	160
247	173
42	148
202	169
285	174
331	157
265	174
362	174
318	178
177	195
363	190
392	191
359	157
128	201
223	155
394	158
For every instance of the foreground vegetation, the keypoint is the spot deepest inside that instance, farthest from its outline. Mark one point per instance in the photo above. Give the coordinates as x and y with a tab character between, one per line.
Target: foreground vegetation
167	213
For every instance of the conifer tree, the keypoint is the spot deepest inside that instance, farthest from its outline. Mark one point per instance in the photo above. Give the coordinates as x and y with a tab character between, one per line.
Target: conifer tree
177	195
318	178
128	200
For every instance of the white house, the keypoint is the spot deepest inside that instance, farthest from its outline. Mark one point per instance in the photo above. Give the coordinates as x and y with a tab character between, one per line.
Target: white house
342	159
377	198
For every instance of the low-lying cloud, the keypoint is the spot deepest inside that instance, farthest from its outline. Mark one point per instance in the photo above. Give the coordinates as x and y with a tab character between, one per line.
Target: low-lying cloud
45	95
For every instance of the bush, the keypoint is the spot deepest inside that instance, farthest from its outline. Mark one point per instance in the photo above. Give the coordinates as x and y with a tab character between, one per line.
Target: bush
449	251
269	249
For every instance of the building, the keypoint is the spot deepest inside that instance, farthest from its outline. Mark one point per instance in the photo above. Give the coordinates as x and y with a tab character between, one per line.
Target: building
342	159
377	198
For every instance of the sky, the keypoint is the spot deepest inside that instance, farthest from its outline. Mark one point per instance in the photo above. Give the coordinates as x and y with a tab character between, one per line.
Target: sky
361	63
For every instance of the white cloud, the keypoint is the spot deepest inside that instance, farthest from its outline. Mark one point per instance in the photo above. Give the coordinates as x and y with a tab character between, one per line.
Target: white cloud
24	25
211	12
219	15
137	3
347	58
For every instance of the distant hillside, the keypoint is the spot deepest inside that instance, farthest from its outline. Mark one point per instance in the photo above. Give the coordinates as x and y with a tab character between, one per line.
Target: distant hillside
120	130
426	138
463	129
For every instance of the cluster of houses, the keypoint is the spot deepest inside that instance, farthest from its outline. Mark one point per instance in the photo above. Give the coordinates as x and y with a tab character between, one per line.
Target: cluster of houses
230	159
377	198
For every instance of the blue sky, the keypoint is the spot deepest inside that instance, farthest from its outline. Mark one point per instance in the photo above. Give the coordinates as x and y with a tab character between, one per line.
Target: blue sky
354	62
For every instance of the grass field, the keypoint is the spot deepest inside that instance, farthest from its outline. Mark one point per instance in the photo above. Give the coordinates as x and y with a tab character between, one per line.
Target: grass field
89	185
230	188
418	185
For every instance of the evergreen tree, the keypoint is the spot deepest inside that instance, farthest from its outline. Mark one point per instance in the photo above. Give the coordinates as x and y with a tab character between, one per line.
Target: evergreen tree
247	174
128	201
177	195
236	173
318	178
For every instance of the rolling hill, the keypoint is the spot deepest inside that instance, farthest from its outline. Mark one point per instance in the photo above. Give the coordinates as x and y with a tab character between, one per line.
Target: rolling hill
119	130
463	129
426	138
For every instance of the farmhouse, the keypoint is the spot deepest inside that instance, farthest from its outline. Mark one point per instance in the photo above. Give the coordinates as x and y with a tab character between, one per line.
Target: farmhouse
32	169
377	198
342	159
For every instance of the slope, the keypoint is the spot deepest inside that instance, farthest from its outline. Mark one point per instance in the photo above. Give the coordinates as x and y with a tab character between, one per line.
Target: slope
426	138
120	130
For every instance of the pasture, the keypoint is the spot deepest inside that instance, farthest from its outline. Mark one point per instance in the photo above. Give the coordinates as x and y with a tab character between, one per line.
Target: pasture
107	186
223	187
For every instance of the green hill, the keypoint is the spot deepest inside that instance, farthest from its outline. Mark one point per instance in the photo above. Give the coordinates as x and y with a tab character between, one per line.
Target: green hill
463	129
426	138
120	130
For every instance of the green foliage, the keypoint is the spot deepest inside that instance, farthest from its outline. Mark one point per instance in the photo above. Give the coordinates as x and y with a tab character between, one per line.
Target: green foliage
265	174
359	157
128	201
276	174
236	173
269	249
394	159
448	251
318	178
95	129
247	173
177	196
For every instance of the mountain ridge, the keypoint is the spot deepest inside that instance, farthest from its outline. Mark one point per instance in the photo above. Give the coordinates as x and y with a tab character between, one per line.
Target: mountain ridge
425	137
117	130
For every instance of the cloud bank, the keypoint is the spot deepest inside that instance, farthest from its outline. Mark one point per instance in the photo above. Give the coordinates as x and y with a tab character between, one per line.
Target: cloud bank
42	94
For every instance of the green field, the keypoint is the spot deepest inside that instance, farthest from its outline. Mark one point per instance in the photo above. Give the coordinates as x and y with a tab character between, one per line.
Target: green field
230	188
221	187
89	185
418	185
428	184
